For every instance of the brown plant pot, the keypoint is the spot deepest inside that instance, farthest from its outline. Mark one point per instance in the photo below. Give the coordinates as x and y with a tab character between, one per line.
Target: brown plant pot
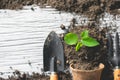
87	74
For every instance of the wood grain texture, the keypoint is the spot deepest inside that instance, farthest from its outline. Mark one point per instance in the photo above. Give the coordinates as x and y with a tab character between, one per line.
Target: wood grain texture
22	36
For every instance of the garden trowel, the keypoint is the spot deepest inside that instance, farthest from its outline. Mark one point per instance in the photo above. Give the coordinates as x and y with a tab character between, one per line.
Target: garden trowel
114	53
53	55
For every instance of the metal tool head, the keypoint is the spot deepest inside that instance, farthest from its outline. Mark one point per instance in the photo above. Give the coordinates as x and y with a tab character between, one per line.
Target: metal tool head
114	49
110	45
116	44
53	47
53	66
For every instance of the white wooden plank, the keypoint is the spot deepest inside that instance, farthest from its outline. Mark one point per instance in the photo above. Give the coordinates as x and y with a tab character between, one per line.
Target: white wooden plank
22	36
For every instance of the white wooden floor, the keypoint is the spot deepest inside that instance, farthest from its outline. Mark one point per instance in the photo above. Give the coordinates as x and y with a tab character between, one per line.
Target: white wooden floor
22	36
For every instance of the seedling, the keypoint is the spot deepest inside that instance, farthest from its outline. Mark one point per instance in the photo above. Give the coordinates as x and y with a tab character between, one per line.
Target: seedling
83	40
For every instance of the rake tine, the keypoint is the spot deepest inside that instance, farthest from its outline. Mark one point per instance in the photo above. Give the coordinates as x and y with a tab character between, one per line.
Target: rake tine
116	44
110	45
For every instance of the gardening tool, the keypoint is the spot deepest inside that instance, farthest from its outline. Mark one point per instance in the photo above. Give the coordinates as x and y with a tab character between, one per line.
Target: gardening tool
53	55
114	54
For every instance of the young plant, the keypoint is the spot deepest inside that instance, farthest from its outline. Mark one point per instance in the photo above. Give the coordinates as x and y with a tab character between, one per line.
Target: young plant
84	40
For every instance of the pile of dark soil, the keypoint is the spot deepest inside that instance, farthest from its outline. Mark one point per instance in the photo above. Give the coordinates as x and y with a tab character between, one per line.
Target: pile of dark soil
91	8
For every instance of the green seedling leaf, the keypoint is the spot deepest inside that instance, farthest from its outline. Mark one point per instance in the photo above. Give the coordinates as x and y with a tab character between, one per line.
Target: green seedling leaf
85	39
71	38
90	42
84	34
78	46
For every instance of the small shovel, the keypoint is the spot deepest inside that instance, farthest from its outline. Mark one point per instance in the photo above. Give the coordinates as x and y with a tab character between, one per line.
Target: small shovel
53	55
114	54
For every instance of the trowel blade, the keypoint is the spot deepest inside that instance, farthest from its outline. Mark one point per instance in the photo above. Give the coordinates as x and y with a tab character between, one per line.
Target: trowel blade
53	47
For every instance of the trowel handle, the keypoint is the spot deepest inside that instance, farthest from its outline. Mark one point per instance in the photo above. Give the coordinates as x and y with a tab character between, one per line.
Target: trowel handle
53	76
116	74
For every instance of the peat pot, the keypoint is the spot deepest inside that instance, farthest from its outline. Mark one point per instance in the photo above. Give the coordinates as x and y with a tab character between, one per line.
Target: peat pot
87	74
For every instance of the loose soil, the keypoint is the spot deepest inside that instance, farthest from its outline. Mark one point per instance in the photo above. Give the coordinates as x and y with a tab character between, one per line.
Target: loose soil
36	76
93	9
18	4
90	8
